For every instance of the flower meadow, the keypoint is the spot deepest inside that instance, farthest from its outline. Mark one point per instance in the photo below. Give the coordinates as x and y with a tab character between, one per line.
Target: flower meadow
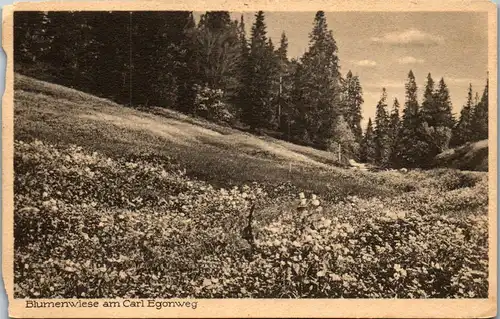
90	226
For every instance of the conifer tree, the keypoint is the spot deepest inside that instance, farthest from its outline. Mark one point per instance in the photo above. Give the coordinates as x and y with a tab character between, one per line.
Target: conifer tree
382	132
430	126
243	39
284	83
352	100
317	89
438	135
479	125
188	68
368	147
258	79
70	52
283	48
462	132
297	126
31	41
394	131
444	116
242	65
429	111
411	145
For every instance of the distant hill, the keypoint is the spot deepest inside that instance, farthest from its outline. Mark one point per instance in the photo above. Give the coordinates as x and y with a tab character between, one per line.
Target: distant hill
472	156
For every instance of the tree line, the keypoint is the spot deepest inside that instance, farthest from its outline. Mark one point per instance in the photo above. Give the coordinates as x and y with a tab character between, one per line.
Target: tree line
213	69
423	131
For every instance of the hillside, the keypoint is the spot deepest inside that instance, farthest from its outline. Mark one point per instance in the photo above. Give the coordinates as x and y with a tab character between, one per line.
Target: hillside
220	155
472	157
103	208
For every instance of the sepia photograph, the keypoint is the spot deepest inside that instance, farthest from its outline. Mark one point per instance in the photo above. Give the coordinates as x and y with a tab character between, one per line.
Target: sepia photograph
251	154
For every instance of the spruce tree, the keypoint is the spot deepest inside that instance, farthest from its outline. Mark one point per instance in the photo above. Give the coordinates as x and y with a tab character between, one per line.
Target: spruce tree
436	131
317	89
352	100
429	110
411	145
444	116
243	39
283	48
258	79
479	125
382	131
242	65
368	147
284	83
462	132
429	126
394	131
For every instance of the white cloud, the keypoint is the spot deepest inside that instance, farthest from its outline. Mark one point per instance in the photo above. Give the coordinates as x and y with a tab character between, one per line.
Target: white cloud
409	37
366	63
410	60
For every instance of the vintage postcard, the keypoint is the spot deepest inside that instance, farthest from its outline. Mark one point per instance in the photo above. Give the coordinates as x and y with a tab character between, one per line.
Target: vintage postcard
250	159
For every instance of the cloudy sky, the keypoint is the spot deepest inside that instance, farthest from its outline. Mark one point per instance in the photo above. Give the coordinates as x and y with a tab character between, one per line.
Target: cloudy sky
381	47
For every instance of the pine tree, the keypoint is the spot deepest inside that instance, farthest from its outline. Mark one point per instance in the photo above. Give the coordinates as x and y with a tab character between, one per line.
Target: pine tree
317	87
368	147
297	126
243	41
462	132
437	121
352	100
429	110
479	125
283	48
444	116
382	131
258	78
429	125
274	65
242	66
283	85
411	146
394	131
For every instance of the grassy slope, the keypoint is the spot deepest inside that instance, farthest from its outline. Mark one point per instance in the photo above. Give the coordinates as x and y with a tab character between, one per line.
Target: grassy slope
93	226
220	155
473	156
